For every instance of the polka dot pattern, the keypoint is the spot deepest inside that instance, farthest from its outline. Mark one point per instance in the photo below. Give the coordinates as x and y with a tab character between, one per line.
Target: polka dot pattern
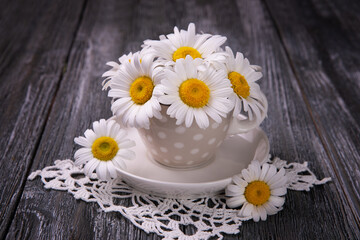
180	130
211	141
163	149
205	155
161	135
194	151
178	157
149	138
163	119
198	137
179	145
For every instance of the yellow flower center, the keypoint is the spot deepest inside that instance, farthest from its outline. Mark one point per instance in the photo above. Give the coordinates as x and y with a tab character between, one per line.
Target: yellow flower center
141	90
182	52
104	148
239	84
194	93
257	192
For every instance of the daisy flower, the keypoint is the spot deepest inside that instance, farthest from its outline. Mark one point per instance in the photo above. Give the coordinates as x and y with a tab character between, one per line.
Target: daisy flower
104	149
135	92
259	189
110	74
246	94
194	94
183	43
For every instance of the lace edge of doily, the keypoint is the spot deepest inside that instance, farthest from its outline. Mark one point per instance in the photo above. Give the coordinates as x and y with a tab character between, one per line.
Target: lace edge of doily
300	178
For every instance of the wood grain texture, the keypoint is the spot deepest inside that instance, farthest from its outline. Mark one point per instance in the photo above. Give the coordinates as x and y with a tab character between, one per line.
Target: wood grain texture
323	49
105	33
110	29
35	39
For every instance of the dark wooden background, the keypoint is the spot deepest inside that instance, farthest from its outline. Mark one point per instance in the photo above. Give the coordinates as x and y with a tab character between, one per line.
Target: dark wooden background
52	55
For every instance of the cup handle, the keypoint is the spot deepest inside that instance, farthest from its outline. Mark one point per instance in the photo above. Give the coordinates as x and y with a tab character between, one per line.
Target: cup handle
241	124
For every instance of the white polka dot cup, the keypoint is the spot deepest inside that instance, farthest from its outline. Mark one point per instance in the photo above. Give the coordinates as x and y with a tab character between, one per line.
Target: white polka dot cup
180	147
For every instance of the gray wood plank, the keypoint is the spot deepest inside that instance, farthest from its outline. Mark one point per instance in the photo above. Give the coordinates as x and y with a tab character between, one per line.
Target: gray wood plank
34	43
109	30
322	41
291	131
106	32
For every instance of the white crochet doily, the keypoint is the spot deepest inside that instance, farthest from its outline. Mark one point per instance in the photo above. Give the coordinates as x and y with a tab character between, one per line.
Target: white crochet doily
163	216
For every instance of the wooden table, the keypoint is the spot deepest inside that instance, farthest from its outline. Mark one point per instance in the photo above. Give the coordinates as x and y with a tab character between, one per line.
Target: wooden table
54	52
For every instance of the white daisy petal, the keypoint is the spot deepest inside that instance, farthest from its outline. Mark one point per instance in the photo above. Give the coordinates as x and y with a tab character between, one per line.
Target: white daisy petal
127	154
83	159
277	176
111	169
121	104
82	141
189	117
248	209
262	212
270	208
282	182
254	170
91	166
127	144
237	179
213	114
82	152
279	191
180	114
235	202
201	118
210	45
255	214
101	171
234	190
264	170
119	163
90	135
97	128
180	69
277	201
271	172
246	175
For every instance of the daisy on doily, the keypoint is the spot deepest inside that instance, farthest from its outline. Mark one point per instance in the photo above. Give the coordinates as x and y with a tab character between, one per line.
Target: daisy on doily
259	189
105	148
246	95
194	94
135	92
184	43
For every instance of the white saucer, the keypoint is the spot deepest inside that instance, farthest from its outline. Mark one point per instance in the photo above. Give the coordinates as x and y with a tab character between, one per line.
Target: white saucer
233	155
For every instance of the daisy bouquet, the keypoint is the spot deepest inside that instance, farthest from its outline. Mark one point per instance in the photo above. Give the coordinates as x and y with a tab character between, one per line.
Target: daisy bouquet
191	74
